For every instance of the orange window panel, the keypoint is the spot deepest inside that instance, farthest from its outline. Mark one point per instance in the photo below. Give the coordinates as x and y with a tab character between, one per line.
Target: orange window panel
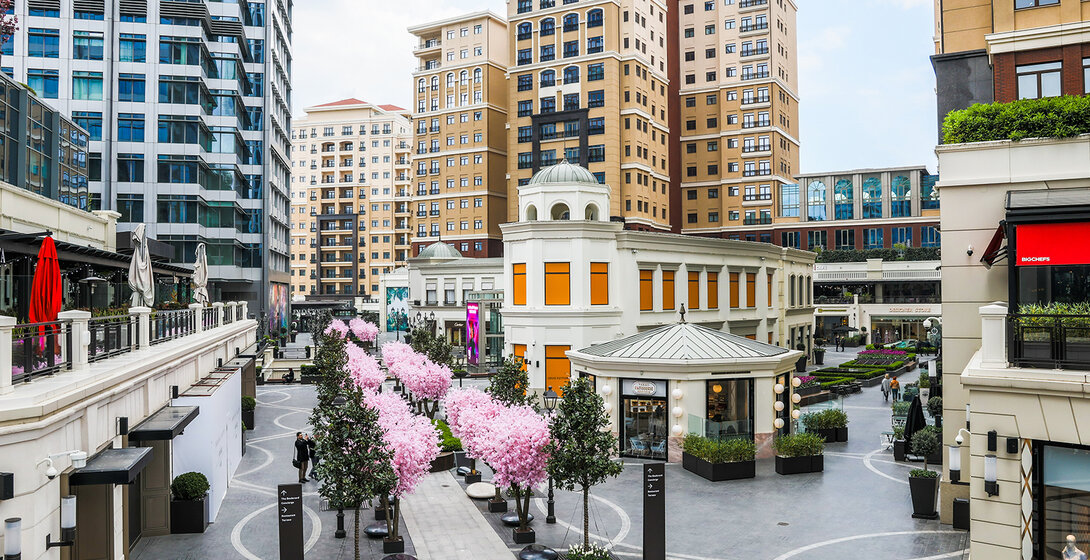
770	298
694	290
599	283
751	336
557	283
518	278
647	290
770	338
557	368
713	290
751	289
667	289
519	351
734	290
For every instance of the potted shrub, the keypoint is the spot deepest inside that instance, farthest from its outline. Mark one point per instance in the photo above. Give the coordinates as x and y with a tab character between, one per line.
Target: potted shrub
248	405
449	443
799	453
815	424
924	483
819	356
590	551
899	444
718	460
189	503
925	387
837	420
800	364
830	424
934	407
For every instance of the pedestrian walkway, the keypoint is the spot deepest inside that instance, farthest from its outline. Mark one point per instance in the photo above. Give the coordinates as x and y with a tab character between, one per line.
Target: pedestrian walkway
446	525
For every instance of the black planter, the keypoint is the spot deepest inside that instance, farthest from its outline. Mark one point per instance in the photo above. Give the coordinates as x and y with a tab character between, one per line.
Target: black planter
800	465
380	513
827	434
716	472
800	365
444	462
935	458
391	546
188	516
472	478
497	506
807	391
925	496
842	434
248	419
819	358
899	450
524	537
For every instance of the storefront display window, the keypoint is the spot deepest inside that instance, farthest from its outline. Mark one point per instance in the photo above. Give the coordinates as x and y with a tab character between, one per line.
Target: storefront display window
729	408
1062	489
886	330
644	428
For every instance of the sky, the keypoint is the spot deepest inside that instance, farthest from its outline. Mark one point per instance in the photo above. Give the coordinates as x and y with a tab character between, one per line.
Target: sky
865	80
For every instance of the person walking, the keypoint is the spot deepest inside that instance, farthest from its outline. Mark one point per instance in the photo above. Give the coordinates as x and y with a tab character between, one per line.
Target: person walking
312	450
895	388
886	386
302	456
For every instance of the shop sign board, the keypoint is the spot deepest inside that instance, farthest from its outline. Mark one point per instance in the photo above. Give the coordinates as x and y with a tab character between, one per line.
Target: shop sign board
289	512
644	388
1052	244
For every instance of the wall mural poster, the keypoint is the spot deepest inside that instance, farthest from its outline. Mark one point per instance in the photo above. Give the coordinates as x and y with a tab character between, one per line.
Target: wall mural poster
278	309
473	333
397	308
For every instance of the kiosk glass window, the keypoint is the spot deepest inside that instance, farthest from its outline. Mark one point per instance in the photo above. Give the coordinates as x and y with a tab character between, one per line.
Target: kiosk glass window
729	408
644	422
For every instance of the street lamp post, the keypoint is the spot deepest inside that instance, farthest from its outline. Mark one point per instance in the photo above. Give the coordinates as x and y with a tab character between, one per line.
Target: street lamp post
550	397
340	401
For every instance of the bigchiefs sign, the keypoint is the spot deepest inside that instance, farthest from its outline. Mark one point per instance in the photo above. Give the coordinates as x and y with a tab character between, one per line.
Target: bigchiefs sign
1052	244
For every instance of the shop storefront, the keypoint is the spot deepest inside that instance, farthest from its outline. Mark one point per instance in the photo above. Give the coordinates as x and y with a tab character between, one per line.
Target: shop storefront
1062	493
643	405
887	330
729	409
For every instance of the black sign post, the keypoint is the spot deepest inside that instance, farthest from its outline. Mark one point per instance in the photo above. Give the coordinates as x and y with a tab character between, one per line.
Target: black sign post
654	511
289	510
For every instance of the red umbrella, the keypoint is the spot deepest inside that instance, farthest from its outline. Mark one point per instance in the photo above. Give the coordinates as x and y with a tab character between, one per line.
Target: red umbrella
45	291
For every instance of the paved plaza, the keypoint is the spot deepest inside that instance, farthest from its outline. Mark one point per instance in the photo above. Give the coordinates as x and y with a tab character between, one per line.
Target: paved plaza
858	508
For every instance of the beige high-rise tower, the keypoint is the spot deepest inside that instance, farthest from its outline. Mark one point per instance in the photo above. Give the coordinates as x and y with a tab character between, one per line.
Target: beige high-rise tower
460	146
350	214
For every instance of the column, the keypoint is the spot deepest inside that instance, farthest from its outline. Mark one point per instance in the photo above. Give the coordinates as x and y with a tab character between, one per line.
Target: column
993	339
6	325
143	325
245	309
218	306
198	312
81	337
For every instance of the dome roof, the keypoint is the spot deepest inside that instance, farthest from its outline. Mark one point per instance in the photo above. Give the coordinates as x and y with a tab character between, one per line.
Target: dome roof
439	250
564	172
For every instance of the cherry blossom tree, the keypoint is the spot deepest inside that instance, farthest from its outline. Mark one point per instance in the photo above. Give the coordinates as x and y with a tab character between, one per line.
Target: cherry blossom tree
515	446
363	369
9	23
427	381
365	331
336	327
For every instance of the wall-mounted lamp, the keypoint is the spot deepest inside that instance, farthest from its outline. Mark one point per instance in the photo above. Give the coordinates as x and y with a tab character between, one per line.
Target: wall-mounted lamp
778	423
991	483
68	524
969	251
122	425
955	463
993	440
7	485
966	416
13	538
796	398
795	382
778	388
173	391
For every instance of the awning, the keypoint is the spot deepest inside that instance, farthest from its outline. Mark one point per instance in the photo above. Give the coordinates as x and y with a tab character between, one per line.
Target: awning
112	466
166	423
995	253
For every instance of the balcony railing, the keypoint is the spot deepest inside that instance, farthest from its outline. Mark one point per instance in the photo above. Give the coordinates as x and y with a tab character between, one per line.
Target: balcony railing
111	336
169	325
1049	341
40	349
757	221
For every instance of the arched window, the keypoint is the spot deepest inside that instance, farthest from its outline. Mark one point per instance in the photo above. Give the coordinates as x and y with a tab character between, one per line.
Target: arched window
900	192
815	201
435	83
463	77
531	213
791	291
571	75
524	31
548	78
843	199
594	18
809	291
560	212
571	22
591	213
421	85
872	198
450	79
548	27
476	75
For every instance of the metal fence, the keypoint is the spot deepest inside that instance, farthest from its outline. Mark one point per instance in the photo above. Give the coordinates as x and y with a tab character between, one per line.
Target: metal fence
1049	341
169	325
39	349
111	336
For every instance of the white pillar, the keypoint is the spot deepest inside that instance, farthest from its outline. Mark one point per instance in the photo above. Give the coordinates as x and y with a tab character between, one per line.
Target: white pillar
143	325
993	335
81	337
229	309
218	306
6	324
198	314
245	309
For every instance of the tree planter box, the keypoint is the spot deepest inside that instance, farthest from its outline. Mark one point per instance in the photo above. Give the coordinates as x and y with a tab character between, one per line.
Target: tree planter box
524	537
248	419
827	434
819	358
716	472
800	465
380	513
497	506
899	450
842	434
806	391
393	546
925	496
872	381
473	477
800	364
188	516
444	462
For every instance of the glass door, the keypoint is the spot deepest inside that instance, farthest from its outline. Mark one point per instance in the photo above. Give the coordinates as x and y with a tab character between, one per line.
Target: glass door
644	429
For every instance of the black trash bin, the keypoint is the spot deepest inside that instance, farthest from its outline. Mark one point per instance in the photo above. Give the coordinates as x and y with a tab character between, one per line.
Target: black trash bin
961	514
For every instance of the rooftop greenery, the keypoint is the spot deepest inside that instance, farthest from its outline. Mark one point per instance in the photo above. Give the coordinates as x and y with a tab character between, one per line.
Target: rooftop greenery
855	255
1051	117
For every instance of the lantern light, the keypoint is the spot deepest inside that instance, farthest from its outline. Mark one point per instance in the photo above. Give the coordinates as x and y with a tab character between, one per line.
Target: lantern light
778	423
795	382
778	406
796	398
796	413
778	388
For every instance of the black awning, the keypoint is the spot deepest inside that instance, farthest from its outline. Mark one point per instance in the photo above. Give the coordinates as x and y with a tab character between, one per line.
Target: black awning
166	423
112	466
996	251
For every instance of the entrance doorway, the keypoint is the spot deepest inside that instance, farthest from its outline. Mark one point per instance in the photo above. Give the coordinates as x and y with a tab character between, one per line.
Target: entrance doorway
644	427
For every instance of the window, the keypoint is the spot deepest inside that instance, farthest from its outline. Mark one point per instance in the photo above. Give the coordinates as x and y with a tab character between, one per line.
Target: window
900	194
87	86
130	127
571	48
815	201
571	22
844	239
571	101
525	108
872	238
599	283
525	56
596	98
594	44
557	368
524	31
44	43
87	45
525	82
1019	4
130	169
558	283
1086	75
667	290
518	280
647	290
929	236
548	52
548	27
843	199
712	295
734	301
751	289
91	122
817	240
133	48
872	198
595	72
130	206
694	290
571	75
1036	81
130	87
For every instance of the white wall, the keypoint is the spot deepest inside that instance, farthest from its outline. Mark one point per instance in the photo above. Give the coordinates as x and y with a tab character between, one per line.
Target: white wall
212	443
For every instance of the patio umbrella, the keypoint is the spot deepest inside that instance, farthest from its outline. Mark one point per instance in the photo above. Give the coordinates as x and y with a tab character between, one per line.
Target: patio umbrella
200	276
141	279
915	421
45	290
844	329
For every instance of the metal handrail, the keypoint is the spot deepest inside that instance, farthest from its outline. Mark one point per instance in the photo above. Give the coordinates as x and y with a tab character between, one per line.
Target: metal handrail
1048	341
169	325
39	349
111	336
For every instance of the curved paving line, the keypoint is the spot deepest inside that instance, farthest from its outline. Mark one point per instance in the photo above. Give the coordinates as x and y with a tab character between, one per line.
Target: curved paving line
809	547
268	461
626	521
236	531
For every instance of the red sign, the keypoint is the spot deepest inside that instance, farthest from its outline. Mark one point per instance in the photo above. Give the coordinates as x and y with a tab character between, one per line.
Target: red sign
1052	244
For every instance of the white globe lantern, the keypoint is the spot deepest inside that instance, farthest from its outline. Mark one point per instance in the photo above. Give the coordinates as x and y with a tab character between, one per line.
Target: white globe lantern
676	412
778	406
778	423
607	390
796	398
796	413
676	430
677	394
795	382
778	388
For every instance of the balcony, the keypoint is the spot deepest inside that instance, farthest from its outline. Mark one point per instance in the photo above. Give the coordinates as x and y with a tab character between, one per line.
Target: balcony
758	148
743	4
428	45
1048	341
754	52
756	124
755	99
754	75
753	27
763	220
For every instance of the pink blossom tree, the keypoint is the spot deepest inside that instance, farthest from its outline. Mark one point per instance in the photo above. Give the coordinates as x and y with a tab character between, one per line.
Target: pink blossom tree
363	369
515	446
426	381
336	327
9	23
365	331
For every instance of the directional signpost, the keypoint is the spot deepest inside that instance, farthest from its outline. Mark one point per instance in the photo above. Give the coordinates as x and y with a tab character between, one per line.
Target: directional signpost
654	511
289	510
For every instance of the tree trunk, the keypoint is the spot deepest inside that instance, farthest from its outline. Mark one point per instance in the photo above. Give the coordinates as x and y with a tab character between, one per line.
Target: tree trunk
392	525
356	530
519	508
586	517
526	507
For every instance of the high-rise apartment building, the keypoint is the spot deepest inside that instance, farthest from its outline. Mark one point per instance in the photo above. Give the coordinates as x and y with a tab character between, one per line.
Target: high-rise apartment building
350	213
990	50
186	104
738	115
460	145
589	83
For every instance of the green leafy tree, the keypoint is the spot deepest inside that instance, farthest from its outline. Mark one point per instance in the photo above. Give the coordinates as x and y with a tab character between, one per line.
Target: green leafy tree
582	448
355	466
421	339
510	384
439	351
330	360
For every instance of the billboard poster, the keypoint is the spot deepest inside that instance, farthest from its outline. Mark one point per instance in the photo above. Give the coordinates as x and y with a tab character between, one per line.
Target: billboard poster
397	308
278	309
473	333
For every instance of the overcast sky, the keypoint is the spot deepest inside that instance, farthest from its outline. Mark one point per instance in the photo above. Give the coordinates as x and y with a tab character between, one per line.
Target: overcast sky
867	88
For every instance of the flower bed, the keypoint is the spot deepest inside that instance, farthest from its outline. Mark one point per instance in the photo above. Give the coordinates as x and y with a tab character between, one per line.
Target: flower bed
718	460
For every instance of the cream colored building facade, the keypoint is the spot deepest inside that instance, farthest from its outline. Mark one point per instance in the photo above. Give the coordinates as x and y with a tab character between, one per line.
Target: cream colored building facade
1044	412
351	192
459	144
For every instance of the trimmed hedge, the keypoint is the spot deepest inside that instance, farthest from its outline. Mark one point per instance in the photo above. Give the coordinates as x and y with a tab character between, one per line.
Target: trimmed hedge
448	441
827	382
798	445
1051	117
853	373
856	255
719	451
